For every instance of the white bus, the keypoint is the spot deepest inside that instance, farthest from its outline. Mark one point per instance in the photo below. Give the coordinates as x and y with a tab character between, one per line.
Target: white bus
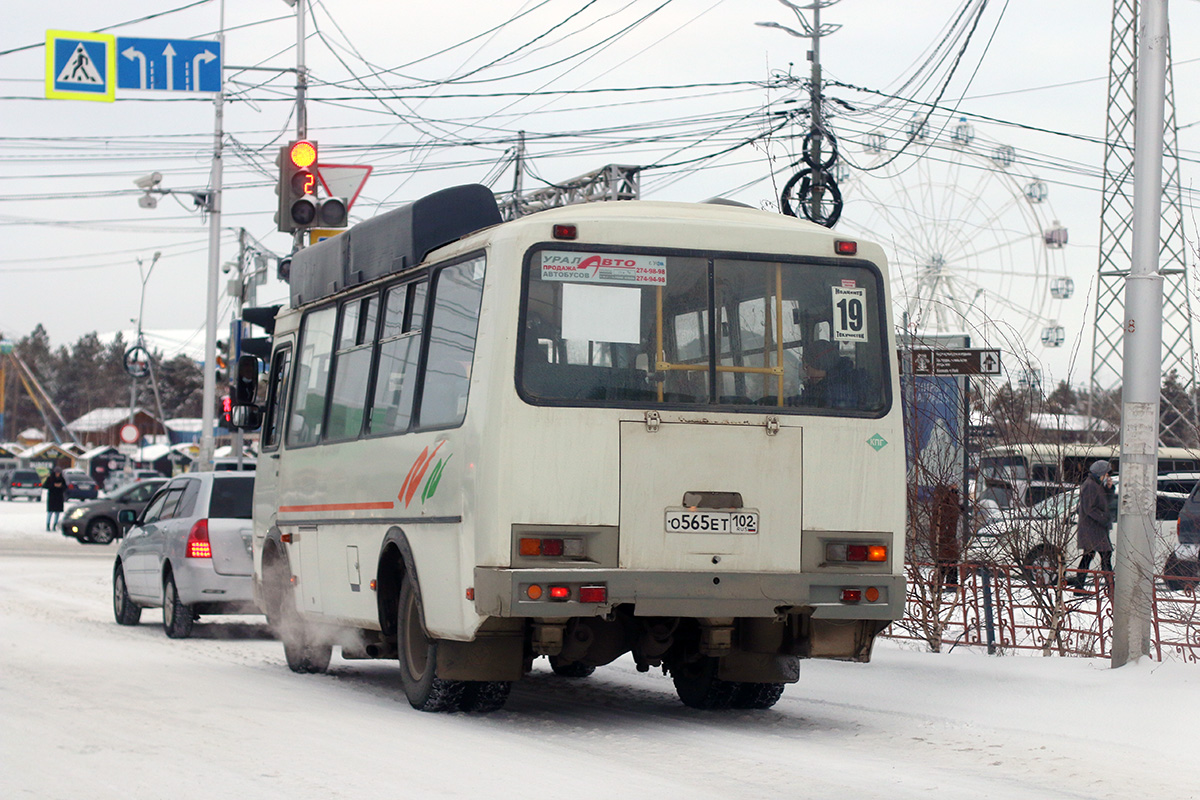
591	431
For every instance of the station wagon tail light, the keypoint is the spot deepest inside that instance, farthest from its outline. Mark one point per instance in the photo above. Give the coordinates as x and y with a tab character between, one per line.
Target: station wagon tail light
198	545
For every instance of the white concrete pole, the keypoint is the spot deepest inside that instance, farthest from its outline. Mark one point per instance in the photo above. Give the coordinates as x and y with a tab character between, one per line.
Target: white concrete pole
1134	566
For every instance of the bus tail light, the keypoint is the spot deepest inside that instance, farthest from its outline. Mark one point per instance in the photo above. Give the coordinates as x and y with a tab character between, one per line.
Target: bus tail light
845	248
555	547
198	545
872	594
847	553
565	232
560	593
851	595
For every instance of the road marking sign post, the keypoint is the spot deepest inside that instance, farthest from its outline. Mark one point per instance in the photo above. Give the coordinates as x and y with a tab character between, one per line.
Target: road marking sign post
171	65
81	66
955	361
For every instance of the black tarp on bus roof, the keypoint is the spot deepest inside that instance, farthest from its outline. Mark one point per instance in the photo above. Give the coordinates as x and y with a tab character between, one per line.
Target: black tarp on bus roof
391	242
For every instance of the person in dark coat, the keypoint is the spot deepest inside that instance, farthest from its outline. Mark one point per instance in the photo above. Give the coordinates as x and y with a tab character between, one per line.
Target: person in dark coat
1095	521
829	377
946	512
56	492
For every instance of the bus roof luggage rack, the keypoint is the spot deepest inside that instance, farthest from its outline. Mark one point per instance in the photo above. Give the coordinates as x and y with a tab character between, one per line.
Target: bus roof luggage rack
391	242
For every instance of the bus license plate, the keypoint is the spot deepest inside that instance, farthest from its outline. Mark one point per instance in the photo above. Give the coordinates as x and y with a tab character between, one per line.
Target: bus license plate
738	522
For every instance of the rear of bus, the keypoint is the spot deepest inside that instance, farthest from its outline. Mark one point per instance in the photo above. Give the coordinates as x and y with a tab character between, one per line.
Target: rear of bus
702	462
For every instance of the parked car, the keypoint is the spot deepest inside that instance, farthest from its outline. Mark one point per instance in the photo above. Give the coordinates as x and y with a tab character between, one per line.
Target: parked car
96	521
188	552
227	463
1045	535
119	480
22	483
80	485
1182	569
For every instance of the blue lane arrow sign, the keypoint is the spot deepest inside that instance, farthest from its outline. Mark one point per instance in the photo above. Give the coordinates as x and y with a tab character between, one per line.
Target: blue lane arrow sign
171	65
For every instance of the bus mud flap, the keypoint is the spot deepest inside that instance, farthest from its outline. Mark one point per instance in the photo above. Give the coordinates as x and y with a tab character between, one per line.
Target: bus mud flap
488	658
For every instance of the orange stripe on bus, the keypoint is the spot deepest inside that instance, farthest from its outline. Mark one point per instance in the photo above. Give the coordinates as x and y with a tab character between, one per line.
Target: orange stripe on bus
339	507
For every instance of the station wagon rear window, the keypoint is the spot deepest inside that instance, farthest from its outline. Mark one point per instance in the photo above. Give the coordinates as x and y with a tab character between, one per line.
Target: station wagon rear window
645	328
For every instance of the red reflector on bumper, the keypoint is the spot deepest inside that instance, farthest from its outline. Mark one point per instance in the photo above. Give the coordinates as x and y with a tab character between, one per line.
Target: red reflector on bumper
593	594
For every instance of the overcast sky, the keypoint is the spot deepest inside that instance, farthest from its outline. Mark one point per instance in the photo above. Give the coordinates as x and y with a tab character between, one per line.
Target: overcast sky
70	262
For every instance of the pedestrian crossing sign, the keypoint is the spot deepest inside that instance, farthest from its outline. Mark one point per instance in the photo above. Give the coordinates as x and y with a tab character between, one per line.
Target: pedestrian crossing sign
81	66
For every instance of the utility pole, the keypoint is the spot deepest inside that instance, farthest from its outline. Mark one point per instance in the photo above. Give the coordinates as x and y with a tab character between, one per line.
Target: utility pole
207	411
1134	568
301	96
519	174
816	192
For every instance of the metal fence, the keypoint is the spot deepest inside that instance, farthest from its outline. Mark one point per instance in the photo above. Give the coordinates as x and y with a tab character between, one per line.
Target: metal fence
1012	609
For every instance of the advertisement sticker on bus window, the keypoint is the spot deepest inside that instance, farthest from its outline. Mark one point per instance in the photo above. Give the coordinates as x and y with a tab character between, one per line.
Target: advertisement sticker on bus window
560	265
849	314
601	314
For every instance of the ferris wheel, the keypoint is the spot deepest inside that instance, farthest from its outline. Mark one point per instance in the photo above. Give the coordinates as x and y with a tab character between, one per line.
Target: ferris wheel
970	235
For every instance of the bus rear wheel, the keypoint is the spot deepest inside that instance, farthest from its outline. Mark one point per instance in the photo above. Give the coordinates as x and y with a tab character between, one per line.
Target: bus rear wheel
418	656
698	686
302	649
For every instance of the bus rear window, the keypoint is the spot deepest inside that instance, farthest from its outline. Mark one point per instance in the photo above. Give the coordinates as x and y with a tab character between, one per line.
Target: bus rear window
633	327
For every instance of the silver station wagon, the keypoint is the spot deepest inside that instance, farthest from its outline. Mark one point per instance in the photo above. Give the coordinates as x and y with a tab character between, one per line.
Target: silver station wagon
189	552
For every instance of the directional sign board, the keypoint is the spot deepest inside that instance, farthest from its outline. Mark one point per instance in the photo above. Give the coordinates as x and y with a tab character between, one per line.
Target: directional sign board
171	65
80	66
955	361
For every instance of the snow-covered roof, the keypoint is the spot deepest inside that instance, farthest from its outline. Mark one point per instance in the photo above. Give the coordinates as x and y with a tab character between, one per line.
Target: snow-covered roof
153	452
99	451
1070	422
185	424
31	434
100	419
39	450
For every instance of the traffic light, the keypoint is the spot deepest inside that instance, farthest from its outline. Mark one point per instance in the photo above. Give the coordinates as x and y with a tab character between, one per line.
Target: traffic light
299	206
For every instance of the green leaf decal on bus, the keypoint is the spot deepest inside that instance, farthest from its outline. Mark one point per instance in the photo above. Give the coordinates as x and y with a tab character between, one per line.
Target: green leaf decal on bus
434	477
416	472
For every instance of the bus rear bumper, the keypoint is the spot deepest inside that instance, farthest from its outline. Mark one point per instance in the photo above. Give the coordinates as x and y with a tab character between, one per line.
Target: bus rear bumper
502	592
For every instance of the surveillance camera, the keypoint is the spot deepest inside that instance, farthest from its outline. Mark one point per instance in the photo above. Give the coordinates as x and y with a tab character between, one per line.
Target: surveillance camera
148	182
226	267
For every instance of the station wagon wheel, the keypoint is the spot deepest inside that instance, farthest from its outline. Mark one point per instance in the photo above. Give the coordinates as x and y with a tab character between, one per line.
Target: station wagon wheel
418	657
101	531
125	610
177	617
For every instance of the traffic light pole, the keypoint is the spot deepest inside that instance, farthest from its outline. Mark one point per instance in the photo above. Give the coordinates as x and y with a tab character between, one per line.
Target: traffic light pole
209	401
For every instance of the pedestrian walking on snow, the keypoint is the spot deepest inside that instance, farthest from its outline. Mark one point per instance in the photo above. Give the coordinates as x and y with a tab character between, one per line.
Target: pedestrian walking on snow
1095	522
56	492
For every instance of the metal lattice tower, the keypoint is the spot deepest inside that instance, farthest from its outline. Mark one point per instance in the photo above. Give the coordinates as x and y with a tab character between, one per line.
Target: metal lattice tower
613	182
1116	237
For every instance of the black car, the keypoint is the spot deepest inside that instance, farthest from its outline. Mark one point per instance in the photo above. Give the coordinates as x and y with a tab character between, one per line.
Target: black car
95	521
80	485
1182	570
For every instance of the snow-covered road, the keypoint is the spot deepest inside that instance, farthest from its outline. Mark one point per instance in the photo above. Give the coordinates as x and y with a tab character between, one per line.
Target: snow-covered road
89	709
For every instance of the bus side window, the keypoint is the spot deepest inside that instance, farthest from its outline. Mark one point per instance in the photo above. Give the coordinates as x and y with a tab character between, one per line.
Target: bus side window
453	324
352	367
312	377
275	396
396	359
